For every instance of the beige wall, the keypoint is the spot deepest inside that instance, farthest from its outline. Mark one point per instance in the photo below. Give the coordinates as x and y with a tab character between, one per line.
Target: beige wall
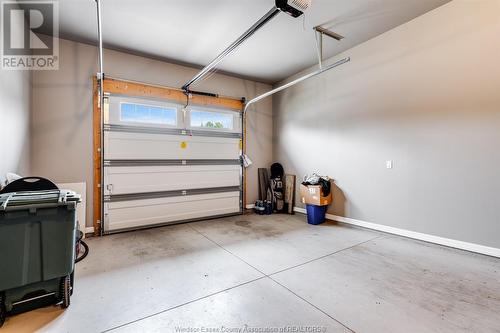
426	95
14	123
15	89
62	111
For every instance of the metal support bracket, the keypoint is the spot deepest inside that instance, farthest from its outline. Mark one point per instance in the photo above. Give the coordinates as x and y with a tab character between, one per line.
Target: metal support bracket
329	33
319	48
320	31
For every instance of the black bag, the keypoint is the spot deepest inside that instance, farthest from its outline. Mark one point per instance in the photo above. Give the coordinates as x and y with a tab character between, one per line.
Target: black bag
278	188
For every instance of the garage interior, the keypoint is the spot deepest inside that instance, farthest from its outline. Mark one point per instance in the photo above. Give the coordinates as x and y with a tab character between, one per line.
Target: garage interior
190	132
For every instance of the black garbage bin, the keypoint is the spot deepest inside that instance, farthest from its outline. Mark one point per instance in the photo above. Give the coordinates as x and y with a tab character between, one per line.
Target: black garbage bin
37	247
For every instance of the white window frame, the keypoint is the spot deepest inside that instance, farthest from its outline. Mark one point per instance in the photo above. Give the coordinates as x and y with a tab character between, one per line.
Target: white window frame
113	114
149	123
235	114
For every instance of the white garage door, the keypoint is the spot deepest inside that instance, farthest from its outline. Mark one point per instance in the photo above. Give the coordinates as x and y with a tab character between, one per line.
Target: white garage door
164	163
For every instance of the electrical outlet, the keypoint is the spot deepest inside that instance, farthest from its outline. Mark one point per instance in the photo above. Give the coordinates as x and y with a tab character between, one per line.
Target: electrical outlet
389	164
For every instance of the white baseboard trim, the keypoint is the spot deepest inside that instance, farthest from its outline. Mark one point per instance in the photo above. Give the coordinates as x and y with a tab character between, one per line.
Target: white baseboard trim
490	251
250	206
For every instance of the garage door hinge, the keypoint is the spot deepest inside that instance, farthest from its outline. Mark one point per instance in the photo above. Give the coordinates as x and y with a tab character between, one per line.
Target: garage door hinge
184	192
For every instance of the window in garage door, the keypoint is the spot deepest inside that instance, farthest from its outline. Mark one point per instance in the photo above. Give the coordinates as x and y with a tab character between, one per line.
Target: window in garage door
132	111
216	120
149	114
162	165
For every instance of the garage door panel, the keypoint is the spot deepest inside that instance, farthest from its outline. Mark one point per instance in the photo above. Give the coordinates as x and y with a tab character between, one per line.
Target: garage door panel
163	165
143	146
144	179
138	213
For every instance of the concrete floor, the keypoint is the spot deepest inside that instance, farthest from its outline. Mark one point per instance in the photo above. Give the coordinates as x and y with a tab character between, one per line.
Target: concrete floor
270	272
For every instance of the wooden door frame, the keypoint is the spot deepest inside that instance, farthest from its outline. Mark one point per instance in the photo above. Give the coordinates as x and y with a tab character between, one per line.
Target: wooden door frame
139	89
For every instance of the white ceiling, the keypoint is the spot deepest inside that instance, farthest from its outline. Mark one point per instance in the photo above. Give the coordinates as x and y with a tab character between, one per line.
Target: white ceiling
195	31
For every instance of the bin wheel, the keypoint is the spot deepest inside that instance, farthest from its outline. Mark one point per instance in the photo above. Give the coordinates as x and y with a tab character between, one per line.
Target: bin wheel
3	312
72	280
65	290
